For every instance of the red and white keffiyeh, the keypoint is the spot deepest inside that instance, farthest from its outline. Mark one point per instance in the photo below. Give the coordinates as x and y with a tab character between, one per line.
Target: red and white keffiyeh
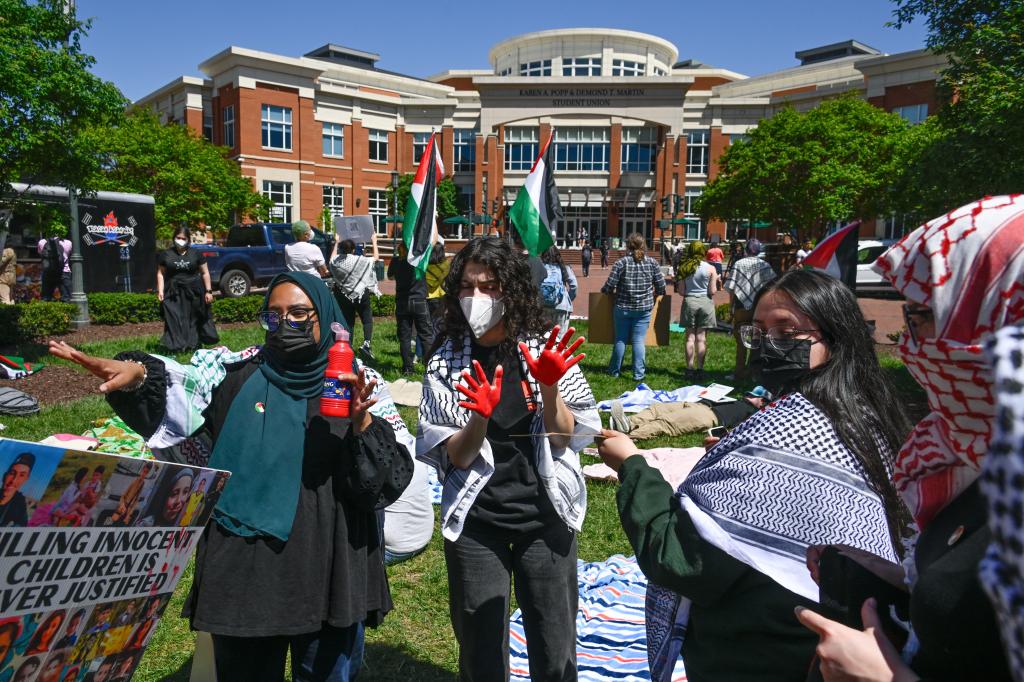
967	266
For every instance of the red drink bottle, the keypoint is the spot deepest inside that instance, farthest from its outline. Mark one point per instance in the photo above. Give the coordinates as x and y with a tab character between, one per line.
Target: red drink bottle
337	394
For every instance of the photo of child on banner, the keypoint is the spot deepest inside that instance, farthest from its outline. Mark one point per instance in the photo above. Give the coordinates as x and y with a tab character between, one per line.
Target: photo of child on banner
91	548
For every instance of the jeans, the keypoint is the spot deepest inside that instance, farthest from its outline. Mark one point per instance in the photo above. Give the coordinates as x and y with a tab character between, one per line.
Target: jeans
363	309
630	325
413	314
480	569
330	655
51	281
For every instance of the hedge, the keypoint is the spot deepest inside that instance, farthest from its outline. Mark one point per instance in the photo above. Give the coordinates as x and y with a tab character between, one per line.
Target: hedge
123	308
241	309
24	321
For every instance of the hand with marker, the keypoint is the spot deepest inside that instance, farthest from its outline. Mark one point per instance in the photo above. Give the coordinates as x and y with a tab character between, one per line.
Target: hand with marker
554	361
482	396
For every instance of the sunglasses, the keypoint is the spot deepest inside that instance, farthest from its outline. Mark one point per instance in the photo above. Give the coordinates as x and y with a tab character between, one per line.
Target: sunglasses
296	318
914	316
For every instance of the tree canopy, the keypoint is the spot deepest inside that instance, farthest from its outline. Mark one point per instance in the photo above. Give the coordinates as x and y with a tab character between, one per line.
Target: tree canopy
447	196
976	146
48	97
193	181
802	170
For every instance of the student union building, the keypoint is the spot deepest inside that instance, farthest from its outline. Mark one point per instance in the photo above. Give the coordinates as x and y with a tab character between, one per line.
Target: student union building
632	124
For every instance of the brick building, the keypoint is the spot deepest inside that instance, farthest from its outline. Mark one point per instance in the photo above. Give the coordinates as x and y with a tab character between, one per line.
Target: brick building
632	123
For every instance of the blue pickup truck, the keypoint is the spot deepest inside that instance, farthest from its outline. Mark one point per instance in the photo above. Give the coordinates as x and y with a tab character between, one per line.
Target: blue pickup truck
252	255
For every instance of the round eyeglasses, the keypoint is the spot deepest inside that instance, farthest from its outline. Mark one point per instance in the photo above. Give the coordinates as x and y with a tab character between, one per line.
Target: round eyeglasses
296	318
778	337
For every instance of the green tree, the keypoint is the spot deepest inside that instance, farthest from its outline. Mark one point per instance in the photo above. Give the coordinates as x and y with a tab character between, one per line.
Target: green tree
976	144
193	181
447	196
801	170
48	97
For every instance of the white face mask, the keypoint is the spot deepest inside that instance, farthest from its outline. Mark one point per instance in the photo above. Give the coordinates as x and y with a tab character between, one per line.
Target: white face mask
181	243
482	313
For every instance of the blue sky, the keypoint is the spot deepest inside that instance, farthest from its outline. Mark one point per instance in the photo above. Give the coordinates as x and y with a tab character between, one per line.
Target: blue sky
141	45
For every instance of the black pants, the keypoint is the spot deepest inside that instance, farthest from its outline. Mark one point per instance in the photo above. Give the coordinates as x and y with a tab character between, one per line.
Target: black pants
330	655
60	281
586	267
436	308
413	314
481	567
364	309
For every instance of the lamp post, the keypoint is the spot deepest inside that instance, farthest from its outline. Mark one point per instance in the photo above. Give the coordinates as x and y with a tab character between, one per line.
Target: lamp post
483	205
394	213
567	225
81	318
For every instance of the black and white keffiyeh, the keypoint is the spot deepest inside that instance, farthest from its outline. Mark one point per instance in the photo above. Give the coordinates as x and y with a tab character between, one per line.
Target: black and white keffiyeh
440	417
746	278
1002	481
778	483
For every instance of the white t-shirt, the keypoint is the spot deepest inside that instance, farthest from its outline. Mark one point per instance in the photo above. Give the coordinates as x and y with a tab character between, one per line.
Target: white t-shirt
409	520
303	257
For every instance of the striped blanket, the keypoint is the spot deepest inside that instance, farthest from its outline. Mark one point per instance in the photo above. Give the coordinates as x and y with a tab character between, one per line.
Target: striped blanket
611	643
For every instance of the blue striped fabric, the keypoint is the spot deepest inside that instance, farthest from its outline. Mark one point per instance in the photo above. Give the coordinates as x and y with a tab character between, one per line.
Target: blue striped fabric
611	643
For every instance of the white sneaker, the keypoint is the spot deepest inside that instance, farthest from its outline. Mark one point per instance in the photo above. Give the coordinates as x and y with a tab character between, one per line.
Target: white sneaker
619	421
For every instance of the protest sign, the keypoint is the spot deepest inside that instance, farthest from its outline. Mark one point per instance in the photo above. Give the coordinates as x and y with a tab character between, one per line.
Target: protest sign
91	548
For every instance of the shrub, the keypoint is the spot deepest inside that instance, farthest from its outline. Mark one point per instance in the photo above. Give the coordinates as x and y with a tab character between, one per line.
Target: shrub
383	306
116	308
242	309
27	321
723	313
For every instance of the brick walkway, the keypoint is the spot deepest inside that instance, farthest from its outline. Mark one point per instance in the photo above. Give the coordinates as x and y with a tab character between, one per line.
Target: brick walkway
886	313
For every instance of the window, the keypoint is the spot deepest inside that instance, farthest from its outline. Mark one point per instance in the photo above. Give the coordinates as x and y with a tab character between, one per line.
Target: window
538	68
277	127
581	66
581	149
208	125
228	125
419	145
697	152
506	71
520	148
464	144
898	226
466	199
912	114
639	150
658	71
378	207
378	145
334	139
695	231
625	67
281	194
334	199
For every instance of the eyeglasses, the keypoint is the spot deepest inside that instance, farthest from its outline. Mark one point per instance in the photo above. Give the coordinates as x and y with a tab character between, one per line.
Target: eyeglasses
912	317
296	318
750	336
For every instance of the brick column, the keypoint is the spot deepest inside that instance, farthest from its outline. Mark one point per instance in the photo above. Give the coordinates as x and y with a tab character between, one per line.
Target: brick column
447	138
360	159
615	156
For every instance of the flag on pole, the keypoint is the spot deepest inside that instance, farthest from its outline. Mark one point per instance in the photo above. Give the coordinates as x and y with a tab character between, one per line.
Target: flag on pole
419	230
837	255
537	207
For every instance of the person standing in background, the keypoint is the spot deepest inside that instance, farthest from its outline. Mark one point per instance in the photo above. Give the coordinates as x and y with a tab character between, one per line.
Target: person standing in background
604	253
410	308
355	285
301	255
746	278
697	280
437	270
55	253
638	284
558	289
185	293
586	256
8	274
715	256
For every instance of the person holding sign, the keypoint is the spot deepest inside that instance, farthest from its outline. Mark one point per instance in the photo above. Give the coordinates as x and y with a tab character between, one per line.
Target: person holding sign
503	417
293	558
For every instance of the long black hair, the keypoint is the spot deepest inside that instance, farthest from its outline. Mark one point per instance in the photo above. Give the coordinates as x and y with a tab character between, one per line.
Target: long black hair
850	387
523	314
554	257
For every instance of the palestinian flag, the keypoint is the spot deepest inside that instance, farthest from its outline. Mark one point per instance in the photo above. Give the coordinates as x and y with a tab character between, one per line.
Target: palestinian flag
537	207
13	367
419	231
837	255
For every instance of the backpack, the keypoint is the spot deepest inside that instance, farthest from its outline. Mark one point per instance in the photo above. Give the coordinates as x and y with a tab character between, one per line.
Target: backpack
552	288
52	255
13	401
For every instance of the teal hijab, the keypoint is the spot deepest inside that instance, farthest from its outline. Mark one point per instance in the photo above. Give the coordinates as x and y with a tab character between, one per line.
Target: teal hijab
264	434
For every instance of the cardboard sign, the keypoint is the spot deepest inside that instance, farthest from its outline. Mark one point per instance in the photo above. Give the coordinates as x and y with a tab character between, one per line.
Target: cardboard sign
358	228
602	321
91	548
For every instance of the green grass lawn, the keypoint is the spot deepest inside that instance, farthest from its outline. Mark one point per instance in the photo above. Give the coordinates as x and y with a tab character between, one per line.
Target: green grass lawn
416	642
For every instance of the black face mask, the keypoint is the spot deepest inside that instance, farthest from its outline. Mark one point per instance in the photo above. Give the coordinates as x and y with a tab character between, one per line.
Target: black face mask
780	371
292	346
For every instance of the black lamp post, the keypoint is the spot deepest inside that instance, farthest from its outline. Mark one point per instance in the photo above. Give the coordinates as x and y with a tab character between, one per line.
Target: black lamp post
394	213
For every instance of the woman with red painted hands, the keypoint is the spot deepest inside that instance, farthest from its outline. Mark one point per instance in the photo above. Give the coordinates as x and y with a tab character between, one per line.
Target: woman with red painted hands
503	416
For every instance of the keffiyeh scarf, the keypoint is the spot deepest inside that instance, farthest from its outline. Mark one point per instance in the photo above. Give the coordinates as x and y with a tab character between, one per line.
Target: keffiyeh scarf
968	267
746	278
440	417
778	483
1002	481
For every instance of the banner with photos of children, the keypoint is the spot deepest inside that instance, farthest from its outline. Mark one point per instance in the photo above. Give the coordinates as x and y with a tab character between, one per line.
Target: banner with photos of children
91	548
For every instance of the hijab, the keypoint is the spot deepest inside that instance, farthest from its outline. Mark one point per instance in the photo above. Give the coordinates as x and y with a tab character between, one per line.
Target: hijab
968	267
695	252
263	437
